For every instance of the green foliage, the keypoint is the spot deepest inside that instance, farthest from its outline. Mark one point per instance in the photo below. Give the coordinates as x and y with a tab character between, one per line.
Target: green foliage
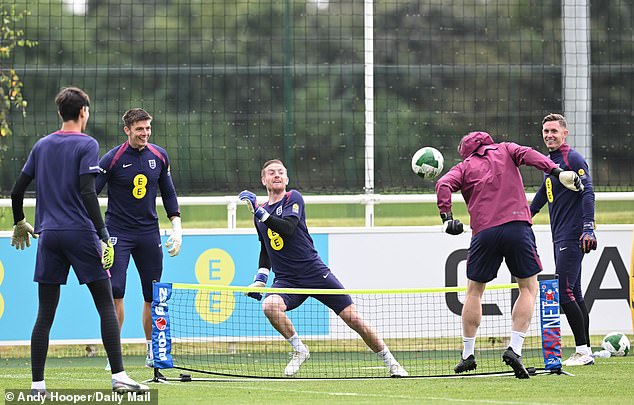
10	83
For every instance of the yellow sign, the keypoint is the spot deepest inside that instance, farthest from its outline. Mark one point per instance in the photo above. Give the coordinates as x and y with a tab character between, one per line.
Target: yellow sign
215	266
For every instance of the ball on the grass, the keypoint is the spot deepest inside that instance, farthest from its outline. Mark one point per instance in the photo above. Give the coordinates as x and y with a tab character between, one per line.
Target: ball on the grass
616	343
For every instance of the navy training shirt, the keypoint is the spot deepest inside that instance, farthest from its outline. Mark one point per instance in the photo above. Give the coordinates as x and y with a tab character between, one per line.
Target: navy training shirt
568	209
134	178
56	162
293	258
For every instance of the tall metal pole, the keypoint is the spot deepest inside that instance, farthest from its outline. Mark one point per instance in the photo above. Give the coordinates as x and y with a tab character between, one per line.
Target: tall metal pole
577	90
368	36
289	109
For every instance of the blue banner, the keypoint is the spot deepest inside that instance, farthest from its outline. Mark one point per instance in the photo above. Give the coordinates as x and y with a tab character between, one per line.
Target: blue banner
550	323
223	259
161	334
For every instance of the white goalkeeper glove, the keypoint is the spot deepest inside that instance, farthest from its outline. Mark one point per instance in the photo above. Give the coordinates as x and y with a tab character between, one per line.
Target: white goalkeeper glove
568	179
259	281
175	240
21	232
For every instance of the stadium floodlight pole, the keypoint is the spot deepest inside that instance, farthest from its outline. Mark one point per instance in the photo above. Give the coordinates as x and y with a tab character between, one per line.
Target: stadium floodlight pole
368	52
577	91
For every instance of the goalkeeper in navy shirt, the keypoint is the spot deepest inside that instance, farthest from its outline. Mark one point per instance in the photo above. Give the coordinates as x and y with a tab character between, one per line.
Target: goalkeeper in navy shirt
71	233
287	248
572	226
135	171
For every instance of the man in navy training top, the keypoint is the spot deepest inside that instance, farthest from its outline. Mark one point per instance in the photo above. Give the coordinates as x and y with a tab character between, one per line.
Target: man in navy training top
572	226
287	248
491	184
135	171
71	233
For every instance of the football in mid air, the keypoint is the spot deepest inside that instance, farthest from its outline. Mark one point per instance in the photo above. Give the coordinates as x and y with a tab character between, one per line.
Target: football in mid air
616	343
427	162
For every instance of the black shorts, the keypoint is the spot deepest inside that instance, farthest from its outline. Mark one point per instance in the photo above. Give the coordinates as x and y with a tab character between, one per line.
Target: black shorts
514	242
324	281
58	250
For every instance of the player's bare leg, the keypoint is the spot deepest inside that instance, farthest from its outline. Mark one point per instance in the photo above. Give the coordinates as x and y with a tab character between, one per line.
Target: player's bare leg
521	316
471	318
275	310
355	321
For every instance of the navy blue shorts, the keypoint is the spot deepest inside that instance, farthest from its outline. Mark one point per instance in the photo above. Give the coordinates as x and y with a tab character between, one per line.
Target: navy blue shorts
514	242
58	250
568	257
148	257
321	281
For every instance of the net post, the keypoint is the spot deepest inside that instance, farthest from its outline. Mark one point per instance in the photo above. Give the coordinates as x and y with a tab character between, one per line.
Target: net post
550	322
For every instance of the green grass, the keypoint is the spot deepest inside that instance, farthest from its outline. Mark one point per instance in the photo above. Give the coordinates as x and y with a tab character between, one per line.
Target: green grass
327	215
603	383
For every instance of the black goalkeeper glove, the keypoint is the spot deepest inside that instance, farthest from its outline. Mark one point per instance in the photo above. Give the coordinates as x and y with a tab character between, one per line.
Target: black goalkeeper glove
450	225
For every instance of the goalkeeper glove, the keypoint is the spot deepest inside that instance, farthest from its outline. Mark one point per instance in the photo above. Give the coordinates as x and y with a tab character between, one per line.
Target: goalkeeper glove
252	202
587	238
107	249
21	232
568	179
175	240
450	225
259	281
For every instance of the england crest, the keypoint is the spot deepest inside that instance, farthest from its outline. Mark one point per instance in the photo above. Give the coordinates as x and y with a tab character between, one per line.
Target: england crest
152	163
113	240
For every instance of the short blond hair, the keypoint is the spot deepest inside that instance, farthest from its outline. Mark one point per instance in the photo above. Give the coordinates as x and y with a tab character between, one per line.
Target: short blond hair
556	117
269	163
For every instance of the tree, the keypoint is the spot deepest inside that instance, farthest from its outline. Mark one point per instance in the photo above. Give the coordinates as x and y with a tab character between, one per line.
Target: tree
10	83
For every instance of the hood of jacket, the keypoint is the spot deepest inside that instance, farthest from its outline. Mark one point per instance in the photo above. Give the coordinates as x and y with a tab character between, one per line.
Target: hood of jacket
472	142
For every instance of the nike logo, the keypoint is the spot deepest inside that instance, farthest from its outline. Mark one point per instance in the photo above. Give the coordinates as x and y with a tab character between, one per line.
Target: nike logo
326	275
128	165
563	248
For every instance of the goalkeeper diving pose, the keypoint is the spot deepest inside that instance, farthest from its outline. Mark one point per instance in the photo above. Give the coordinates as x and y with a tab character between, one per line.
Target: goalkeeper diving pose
287	248
572	226
135	171
490	182
71	233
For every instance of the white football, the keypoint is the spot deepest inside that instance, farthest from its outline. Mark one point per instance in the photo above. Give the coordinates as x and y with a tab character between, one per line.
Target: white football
427	162
616	343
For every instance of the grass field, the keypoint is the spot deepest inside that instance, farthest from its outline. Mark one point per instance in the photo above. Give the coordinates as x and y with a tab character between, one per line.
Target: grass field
603	383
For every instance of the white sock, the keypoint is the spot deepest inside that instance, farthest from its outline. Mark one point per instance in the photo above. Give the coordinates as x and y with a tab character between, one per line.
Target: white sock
38	385
148	348
387	357
468	344
583	349
517	341
297	344
120	376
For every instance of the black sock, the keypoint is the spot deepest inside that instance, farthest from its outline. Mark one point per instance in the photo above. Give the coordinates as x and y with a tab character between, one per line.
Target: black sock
110	334
586	317
48	298
576	322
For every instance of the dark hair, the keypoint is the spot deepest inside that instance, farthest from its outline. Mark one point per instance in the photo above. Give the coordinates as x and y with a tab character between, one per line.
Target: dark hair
269	163
70	100
135	115
555	117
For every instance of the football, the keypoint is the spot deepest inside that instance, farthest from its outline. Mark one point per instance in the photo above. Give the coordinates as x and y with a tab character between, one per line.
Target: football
427	162
616	343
